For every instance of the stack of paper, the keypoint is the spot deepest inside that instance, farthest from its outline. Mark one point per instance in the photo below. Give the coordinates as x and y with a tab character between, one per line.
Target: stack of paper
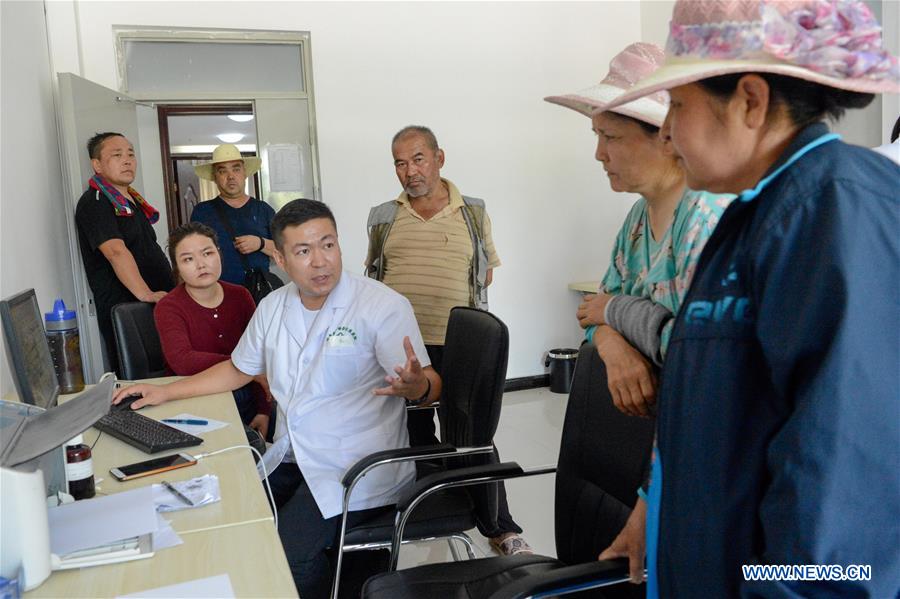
109	529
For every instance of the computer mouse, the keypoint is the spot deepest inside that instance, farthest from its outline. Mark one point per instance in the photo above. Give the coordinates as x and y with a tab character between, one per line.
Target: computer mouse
126	402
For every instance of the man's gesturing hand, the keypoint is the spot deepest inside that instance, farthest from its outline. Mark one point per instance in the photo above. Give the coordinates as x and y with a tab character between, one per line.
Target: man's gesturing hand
410	381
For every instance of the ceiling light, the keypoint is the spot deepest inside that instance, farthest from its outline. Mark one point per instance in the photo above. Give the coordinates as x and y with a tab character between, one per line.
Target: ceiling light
241	118
230	138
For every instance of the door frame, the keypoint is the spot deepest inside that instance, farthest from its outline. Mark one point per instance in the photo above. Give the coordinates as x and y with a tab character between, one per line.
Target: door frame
301	39
164	111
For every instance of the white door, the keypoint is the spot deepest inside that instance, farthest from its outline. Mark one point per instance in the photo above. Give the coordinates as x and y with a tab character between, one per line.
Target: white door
86	108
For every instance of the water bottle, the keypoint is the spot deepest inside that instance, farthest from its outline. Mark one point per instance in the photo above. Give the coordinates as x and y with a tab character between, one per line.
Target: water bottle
65	347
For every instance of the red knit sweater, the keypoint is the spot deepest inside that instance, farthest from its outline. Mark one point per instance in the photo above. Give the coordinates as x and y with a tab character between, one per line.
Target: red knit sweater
194	337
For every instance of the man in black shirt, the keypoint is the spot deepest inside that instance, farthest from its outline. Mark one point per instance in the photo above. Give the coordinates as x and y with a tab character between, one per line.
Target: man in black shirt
118	246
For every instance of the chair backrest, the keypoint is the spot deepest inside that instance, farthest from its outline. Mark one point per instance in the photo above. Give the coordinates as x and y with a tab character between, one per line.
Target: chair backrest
137	342
476	351
603	459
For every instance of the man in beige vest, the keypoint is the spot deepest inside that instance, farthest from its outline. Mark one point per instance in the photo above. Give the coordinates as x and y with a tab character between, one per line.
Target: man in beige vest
434	246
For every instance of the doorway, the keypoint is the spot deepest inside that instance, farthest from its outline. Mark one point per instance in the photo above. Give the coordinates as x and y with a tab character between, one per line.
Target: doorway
188	134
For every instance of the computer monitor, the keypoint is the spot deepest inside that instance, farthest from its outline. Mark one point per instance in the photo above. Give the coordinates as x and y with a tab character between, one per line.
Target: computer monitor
28	351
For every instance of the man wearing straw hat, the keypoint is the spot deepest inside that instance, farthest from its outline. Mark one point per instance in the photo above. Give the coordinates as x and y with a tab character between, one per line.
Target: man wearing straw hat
234	215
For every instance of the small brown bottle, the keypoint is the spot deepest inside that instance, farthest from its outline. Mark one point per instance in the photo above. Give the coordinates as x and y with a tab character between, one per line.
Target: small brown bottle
79	469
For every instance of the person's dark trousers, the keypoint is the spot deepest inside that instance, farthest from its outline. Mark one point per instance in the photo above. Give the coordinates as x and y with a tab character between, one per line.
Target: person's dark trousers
310	541
246	403
420	424
104	323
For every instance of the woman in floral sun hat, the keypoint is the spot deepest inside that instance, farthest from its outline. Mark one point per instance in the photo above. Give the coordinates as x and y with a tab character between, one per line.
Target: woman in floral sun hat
656	250
779	406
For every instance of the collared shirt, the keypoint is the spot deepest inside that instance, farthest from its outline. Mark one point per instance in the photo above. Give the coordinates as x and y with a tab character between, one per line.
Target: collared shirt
429	261
322	379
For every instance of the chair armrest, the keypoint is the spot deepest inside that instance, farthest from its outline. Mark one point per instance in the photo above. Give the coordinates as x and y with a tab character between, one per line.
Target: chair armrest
432	406
459	477
455	477
408	454
472	475
394	455
569	579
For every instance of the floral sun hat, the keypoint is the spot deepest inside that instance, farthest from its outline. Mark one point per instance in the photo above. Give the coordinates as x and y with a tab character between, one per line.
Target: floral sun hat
836	43
627	68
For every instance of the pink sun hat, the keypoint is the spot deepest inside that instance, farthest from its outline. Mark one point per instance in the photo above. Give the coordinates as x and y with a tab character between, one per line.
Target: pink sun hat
836	43
627	68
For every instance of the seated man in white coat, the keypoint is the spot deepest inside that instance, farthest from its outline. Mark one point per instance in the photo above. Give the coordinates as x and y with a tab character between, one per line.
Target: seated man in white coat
328	344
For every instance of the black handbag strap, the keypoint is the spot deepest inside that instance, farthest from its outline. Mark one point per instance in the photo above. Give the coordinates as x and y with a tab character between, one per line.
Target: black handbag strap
226	222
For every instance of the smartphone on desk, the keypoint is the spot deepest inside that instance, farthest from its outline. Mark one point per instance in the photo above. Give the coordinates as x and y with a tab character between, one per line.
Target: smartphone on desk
154	466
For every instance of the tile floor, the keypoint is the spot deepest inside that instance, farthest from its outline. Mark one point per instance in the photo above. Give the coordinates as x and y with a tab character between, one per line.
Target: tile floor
529	433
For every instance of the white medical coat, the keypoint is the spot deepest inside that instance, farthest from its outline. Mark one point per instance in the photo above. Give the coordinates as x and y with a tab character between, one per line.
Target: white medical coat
322	381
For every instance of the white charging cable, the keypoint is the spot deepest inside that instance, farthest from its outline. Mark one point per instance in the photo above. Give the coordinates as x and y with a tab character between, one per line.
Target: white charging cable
201	456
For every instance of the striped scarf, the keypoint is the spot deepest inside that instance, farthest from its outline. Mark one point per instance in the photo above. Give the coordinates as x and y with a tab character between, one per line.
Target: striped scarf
120	203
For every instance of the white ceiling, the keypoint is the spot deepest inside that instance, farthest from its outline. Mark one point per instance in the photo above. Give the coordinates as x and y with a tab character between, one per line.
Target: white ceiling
201	130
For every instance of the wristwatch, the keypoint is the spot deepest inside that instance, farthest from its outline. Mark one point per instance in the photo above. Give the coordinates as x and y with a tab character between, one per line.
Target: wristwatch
424	398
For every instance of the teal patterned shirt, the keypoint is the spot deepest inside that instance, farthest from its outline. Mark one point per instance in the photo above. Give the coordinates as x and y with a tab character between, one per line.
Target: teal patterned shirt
662	270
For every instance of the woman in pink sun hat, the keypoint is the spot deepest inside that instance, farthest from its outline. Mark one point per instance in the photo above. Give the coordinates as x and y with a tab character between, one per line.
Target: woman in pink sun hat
779	408
656	249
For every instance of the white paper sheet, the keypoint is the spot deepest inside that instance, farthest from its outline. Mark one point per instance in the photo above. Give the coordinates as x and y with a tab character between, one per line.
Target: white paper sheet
165	536
201	490
101	520
195	429
212	587
285	167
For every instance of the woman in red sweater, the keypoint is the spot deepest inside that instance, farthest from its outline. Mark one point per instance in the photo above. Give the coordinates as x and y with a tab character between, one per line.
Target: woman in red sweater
201	320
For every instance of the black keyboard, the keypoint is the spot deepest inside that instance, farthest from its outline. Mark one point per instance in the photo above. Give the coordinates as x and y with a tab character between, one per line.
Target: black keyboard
148	435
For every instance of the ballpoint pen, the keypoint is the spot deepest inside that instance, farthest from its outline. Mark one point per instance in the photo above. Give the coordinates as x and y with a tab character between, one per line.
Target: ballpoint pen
178	493
195	421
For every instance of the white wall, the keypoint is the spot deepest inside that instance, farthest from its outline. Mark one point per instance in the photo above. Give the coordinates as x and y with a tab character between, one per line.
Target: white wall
655	17
34	250
890	104
475	73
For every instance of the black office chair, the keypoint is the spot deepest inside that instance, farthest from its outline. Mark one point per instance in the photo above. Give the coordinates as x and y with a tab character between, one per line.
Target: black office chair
604	457
137	342
476	351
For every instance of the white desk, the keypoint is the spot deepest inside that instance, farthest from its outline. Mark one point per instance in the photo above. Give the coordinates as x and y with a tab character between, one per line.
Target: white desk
250	554
243	497
236	535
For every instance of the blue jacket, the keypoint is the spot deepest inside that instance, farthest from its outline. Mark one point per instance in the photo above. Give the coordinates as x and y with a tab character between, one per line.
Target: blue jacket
253	218
779	409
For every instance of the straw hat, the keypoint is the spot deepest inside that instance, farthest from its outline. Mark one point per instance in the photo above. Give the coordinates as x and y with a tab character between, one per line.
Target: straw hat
227	153
836	43
627	68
